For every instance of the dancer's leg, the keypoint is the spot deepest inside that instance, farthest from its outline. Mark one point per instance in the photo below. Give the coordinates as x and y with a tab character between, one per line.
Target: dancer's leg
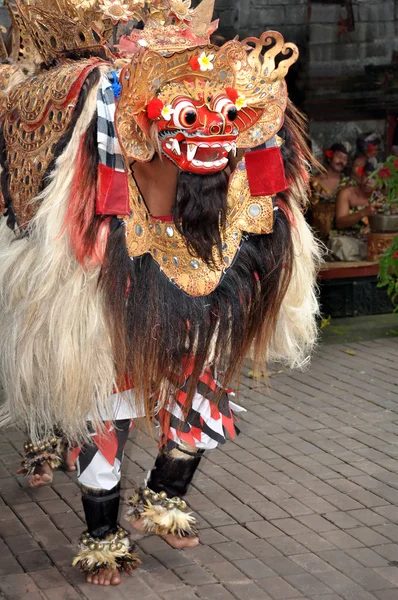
159	507
105	548
185	435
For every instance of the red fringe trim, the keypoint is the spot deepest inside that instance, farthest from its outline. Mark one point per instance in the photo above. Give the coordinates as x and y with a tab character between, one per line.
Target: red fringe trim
81	210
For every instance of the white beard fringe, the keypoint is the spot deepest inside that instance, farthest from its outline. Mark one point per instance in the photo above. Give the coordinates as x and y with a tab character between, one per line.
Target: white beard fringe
296	330
56	360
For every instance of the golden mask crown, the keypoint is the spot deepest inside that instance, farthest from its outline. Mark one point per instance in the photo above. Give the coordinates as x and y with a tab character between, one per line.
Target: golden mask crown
255	68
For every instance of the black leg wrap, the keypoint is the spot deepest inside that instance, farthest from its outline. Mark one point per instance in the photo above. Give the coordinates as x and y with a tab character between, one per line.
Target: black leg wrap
101	509
174	475
159	507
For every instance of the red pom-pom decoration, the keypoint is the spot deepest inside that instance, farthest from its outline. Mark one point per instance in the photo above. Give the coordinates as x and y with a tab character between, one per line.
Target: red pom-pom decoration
361	171
154	109
194	63
232	94
329	154
371	147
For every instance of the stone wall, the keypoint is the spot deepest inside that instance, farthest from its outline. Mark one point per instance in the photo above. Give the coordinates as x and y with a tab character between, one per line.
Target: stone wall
330	53
252	17
373	41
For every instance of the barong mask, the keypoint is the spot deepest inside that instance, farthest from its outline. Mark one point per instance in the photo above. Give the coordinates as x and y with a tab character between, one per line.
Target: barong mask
196	132
195	106
200	101
203	102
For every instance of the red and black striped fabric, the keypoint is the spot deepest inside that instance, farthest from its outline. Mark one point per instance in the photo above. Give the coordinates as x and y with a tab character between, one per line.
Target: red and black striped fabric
206	423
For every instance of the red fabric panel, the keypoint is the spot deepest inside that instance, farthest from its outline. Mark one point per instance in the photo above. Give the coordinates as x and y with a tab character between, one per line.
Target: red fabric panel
209	380
196	433
113	192
265	172
107	443
187	437
228	423
74	453
214	412
165	219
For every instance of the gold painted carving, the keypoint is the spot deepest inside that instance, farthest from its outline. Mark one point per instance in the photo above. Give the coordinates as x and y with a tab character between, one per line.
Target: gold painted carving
248	66
39	112
378	244
7	75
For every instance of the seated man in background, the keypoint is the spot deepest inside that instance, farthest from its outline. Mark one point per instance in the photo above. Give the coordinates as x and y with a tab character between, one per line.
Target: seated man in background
325	186
354	205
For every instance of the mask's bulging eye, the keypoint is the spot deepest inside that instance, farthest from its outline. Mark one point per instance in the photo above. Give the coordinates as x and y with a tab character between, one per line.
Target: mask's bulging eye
226	108
189	117
185	114
232	113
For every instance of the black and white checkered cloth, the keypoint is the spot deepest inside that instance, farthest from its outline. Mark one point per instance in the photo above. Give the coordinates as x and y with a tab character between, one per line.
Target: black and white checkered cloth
109	150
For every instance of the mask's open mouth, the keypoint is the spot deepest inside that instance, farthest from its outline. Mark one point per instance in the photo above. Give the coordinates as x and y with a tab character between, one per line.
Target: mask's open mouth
199	154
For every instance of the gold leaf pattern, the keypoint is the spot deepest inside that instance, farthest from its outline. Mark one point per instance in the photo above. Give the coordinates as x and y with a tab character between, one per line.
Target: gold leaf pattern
39	112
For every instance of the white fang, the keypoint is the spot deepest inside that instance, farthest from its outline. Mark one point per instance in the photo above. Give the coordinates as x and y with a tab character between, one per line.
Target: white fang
192	148
176	147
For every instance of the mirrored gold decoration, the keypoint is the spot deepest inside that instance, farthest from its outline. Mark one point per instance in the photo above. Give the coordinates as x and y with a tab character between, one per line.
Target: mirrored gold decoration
39	112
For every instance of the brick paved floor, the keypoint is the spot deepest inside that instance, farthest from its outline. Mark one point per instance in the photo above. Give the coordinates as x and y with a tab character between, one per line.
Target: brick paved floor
304	505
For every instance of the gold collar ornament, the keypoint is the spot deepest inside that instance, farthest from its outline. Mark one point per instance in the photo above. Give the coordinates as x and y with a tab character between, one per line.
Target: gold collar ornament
166	245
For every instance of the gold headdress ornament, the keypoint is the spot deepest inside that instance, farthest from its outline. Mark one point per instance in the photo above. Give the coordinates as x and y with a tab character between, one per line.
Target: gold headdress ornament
172	26
249	67
60	27
51	29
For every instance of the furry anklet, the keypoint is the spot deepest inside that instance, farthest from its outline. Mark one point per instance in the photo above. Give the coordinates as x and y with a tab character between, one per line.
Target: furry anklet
161	515
113	552
49	450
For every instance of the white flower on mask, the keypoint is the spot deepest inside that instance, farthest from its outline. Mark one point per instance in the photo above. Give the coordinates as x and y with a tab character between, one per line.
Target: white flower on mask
241	102
206	62
167	112
116	11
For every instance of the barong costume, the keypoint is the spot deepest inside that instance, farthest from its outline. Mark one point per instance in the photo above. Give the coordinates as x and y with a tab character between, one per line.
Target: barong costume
109	313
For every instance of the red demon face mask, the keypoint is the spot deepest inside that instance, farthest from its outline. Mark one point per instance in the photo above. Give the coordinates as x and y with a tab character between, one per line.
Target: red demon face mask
197	135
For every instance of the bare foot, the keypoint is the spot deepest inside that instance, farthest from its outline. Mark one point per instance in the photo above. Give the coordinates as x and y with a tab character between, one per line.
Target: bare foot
173	540
42	475
105	577
181	542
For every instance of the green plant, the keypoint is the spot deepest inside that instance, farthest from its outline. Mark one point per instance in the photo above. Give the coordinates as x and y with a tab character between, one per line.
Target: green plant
386	179
388	272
